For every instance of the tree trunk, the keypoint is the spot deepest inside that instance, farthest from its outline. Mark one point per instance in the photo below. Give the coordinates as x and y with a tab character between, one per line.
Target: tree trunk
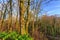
28	17
21	18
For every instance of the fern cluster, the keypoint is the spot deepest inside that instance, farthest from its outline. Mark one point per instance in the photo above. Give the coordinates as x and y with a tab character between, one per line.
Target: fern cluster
14	36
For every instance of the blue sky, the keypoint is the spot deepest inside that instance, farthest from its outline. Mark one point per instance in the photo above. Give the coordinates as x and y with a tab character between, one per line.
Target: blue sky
52	7
15	7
